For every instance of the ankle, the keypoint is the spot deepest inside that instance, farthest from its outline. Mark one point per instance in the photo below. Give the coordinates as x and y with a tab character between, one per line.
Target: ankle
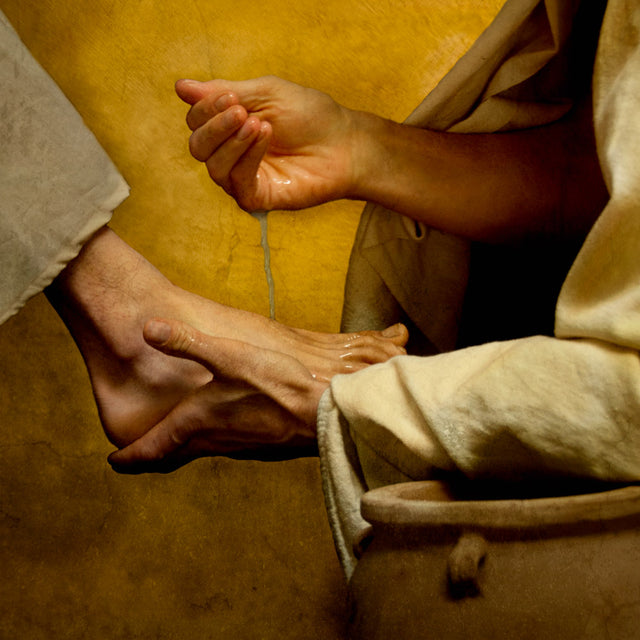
107	293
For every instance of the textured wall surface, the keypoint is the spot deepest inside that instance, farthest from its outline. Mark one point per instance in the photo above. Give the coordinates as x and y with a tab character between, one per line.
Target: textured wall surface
219	549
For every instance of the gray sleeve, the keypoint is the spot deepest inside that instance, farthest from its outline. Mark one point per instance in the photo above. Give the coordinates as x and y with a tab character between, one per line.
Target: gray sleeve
57	185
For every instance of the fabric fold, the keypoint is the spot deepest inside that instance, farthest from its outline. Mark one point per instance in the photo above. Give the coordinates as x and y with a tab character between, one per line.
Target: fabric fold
45	216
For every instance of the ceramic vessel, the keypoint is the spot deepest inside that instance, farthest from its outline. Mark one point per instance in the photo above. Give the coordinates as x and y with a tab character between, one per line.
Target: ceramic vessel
441	563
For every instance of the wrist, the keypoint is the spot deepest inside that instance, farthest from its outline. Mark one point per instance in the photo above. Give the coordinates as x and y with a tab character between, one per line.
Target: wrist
309	413
368	154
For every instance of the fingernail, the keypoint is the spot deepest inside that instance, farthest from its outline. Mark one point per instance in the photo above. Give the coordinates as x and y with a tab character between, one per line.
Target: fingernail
188	81
230	120
155	331
223	102
245	130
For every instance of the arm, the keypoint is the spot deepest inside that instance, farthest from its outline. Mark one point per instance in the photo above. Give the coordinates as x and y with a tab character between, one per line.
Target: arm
272	144
489	187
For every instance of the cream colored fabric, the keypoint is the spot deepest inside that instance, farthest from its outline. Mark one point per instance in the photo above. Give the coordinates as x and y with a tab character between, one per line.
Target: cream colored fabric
57	185
565	405
601	295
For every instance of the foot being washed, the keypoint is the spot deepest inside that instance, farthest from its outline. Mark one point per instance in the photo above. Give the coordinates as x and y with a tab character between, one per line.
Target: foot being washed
109	291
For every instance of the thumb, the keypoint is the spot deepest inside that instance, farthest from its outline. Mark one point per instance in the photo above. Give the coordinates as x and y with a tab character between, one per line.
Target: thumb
191	91
225	358
151	452
279	376
182	340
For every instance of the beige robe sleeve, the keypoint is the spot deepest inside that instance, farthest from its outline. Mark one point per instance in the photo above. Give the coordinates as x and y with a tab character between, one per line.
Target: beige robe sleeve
564	405
57	185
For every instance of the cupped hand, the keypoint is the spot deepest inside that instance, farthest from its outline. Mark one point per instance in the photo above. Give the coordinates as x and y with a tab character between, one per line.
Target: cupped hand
259	404
270	143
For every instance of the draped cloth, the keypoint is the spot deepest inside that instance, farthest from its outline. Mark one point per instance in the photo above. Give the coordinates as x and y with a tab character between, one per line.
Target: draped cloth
58	185
566	405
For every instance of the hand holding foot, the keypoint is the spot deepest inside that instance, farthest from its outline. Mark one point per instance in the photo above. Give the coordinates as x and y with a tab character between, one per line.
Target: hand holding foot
109	291
258	400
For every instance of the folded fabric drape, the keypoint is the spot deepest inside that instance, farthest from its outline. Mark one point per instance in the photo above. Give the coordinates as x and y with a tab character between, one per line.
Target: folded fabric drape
45	215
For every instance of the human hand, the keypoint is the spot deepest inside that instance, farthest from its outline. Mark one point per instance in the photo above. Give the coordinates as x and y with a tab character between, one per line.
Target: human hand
259	404
269	143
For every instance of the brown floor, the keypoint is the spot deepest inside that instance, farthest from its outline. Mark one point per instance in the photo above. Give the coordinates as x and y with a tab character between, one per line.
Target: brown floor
219	549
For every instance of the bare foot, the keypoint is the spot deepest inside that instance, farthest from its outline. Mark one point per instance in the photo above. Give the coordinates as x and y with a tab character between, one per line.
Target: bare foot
324	354
109	291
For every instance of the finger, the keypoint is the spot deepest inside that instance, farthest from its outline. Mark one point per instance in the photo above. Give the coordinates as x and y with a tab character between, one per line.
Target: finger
225	358
222	165
166	465
192	91
206	139
160	444
218	419
210	98
245	171
211	105
190	430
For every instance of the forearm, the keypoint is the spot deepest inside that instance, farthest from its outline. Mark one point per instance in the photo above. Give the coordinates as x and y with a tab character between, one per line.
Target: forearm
490	187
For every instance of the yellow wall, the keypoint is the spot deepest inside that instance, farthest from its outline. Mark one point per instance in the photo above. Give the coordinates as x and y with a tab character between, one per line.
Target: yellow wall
220	548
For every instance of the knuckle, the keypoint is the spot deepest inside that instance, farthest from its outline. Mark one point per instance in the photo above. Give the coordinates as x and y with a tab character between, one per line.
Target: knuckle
190	119
182	340
244	202
244	194
198	113
197	420
280	430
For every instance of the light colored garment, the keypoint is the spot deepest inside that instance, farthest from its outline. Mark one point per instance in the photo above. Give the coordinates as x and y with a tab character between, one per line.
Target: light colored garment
58	186
563	405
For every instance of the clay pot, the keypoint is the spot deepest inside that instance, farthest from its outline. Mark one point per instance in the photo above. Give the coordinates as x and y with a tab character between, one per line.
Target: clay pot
442	564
